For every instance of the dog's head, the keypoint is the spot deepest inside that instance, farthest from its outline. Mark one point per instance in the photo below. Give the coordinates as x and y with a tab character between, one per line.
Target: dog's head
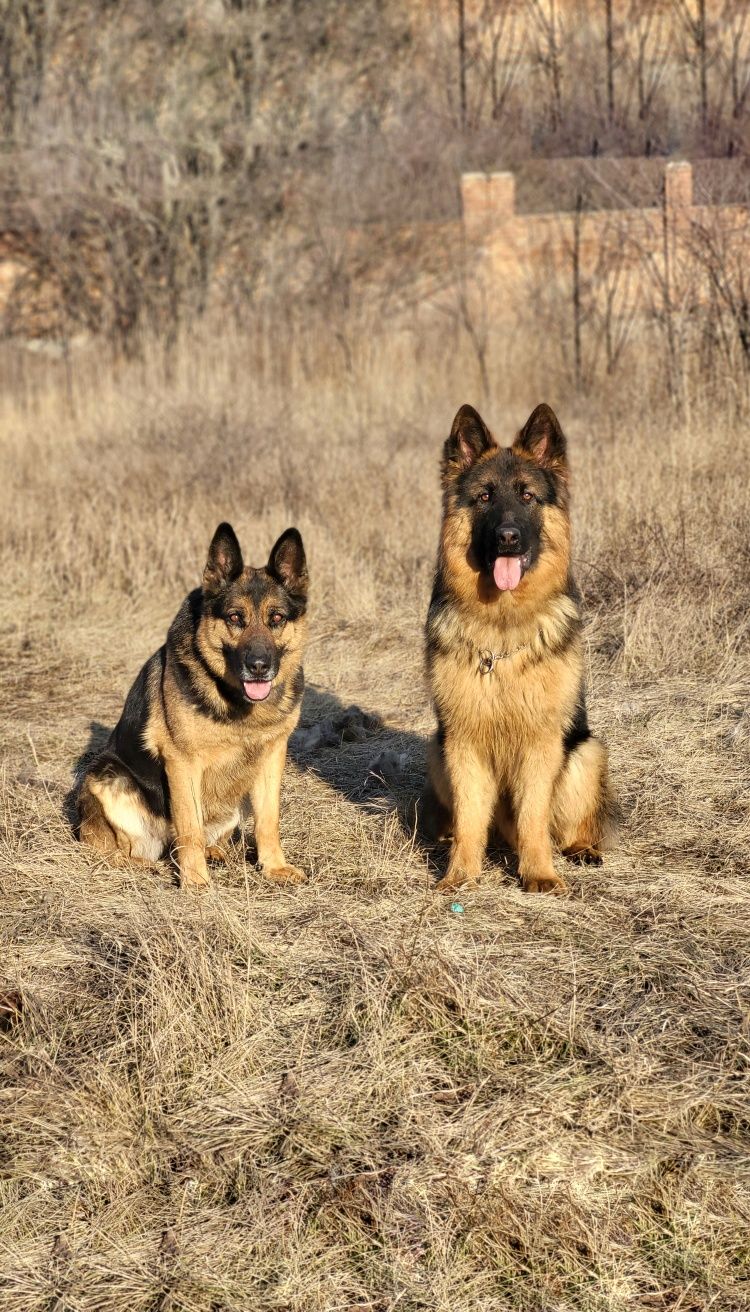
509	503
252	621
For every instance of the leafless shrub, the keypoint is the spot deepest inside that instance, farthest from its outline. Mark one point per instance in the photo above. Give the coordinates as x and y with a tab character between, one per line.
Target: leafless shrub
717	247
501	51
247	175
736	22
546	21
27	30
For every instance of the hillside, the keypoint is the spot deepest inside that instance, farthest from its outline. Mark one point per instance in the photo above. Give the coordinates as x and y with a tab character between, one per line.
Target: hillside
158	158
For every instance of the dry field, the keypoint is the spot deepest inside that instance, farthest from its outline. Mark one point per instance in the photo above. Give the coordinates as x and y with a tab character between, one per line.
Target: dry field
348	1096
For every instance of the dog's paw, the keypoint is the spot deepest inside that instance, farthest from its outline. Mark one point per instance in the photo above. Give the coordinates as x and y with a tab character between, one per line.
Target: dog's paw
434	821
453	880
545	884
195	878
443	834
584	855
284	874
217	853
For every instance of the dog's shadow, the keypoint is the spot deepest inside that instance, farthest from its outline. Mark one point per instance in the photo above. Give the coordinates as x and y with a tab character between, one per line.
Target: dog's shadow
355	752
97	741
380	768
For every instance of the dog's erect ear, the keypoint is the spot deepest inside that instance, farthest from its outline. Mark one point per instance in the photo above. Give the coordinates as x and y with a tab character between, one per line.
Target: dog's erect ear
224	562
543	440
470	438
287	563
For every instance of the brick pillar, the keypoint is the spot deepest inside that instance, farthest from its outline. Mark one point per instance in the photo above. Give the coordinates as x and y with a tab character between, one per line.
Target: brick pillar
488	200
678	187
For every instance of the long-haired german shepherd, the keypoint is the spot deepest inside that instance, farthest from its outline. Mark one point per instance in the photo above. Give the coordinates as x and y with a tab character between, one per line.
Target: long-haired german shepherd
513	751
207	721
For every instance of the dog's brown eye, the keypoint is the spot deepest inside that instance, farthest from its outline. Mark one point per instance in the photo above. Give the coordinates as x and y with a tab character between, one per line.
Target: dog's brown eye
484	496
527	495
234	618
277	619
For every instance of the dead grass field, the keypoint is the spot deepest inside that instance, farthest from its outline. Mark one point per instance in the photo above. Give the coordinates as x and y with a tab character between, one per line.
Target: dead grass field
348	1096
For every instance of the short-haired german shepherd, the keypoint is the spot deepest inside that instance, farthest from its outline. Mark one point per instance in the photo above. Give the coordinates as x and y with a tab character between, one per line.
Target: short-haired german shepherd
513	752
207	721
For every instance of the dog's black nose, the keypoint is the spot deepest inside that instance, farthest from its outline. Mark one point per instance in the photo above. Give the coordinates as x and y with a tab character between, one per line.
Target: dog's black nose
508	536
258	669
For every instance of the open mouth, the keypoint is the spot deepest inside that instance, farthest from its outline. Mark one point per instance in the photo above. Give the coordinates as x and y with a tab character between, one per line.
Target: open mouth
256	690
508	571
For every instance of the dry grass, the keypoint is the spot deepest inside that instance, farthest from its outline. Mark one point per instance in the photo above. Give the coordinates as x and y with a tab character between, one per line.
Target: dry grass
349	1096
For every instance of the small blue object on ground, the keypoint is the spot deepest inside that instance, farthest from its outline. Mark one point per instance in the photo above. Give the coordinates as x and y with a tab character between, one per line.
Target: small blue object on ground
457	907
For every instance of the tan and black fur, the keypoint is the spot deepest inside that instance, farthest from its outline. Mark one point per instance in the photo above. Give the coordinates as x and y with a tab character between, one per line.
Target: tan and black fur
513	752
205	726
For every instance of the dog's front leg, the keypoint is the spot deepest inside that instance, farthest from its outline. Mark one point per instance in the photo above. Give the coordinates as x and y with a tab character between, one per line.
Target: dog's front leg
185	779
532	796
473	790
265	798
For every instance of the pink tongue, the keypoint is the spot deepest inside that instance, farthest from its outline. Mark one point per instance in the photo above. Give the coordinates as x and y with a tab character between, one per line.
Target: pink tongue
507	572
258	691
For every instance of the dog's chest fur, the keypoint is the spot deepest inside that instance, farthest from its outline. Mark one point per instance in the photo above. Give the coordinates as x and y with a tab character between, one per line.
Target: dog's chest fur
531	687
229	753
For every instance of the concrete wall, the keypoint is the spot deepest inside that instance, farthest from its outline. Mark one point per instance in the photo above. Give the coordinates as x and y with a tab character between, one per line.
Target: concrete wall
680	237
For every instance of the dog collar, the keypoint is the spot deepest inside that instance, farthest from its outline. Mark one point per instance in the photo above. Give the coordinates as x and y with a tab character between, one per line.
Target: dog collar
489	659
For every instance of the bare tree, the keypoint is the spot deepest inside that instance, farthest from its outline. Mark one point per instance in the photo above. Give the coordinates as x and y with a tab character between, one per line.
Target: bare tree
647	25
616	300
470	304
718	246
500	52
667	289
462	61
576	288
549	51
693	22
736	25
24	41
610	43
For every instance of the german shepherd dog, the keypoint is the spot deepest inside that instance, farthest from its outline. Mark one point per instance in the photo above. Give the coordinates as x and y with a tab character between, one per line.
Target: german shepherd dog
207	721
513	752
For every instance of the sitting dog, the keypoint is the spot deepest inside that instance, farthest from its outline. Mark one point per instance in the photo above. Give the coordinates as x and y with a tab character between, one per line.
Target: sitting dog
513	753
207	721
